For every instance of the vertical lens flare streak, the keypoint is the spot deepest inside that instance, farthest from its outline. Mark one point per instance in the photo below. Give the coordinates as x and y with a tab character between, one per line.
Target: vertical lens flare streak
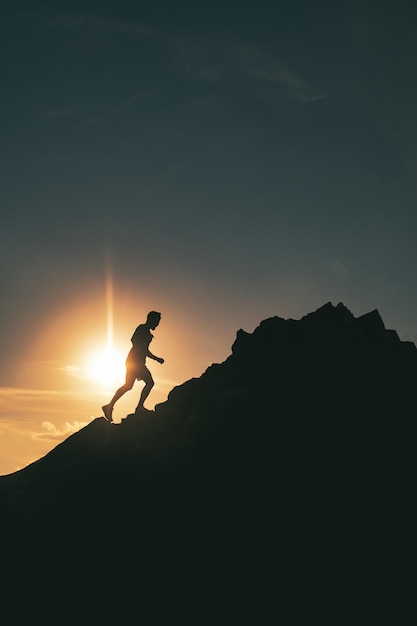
106	367
109	309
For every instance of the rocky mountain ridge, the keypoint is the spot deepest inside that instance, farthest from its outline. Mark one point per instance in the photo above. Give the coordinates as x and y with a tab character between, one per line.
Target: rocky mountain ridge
279	370
298	449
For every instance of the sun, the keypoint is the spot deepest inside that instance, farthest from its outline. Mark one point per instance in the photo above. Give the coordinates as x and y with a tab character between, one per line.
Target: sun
107	367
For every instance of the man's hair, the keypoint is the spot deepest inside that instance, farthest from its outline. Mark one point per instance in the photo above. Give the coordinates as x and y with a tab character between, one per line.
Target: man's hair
153	315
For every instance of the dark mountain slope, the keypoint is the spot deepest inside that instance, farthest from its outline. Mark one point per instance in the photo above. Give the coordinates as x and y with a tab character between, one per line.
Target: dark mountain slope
280	480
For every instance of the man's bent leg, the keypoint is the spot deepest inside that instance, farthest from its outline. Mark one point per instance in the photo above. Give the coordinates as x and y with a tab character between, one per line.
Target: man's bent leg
108	408
146	376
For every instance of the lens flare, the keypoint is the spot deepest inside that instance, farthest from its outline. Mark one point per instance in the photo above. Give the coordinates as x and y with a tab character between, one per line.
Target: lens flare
107	366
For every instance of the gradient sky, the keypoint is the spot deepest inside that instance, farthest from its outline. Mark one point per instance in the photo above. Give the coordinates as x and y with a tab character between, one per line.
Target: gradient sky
221	162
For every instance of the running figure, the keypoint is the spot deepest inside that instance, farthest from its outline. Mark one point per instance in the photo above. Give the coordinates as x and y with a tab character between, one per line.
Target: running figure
136	364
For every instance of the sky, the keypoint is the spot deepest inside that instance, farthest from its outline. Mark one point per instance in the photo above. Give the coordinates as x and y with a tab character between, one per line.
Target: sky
219	162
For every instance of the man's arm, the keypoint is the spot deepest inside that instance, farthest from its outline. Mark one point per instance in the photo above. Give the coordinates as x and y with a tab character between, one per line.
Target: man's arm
155	358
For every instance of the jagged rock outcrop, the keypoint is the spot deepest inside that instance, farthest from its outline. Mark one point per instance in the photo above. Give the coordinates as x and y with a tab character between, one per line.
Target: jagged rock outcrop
327	361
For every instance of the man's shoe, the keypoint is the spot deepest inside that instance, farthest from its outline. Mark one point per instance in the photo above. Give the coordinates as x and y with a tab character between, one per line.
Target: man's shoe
141	409
107	410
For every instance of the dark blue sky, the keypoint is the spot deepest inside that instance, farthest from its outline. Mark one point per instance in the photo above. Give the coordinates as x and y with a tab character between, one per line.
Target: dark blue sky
229	160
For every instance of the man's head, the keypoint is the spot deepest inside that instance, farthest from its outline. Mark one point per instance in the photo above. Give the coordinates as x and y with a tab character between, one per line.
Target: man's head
153	318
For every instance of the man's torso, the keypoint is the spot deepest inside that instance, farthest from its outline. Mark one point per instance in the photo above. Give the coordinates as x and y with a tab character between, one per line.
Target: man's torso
141	339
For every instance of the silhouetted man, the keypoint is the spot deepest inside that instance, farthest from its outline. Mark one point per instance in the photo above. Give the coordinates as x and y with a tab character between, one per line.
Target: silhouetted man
136	364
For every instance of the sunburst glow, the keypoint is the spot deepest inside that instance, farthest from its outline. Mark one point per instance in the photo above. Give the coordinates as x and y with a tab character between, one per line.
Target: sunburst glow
106	368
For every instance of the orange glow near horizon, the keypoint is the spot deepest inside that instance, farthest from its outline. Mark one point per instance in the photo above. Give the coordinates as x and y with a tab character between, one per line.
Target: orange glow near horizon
76	361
